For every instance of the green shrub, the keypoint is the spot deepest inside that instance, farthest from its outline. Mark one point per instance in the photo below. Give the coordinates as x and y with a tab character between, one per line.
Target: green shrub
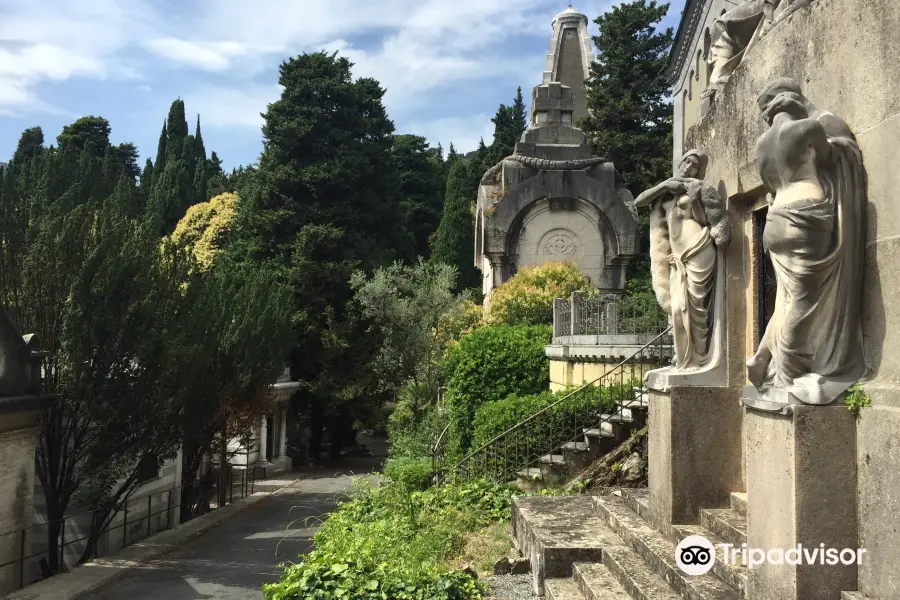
546	432
387	543
527	298
411	473
411	435
489	364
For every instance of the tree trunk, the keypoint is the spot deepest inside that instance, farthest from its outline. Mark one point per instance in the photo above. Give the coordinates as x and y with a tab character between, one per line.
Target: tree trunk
316	428
224	467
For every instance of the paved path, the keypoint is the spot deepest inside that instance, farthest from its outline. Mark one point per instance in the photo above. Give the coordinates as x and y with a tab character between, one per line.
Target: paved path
232	561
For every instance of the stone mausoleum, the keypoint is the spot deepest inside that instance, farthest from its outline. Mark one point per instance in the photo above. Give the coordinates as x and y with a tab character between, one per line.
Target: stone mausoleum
553	199
774	249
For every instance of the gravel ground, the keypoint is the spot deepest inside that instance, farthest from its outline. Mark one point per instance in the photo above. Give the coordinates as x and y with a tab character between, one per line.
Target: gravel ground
510	587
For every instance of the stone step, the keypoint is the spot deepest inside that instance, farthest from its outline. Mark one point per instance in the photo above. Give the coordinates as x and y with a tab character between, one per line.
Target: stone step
552	459
530	480
637	499
577	455
562	589
615	418
605	430
735	575
659	552
635	576
595	582
725	523
854	596
555	532
739	502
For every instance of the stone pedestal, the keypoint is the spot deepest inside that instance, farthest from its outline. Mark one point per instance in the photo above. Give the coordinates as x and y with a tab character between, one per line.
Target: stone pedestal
18	417
801	489
695	452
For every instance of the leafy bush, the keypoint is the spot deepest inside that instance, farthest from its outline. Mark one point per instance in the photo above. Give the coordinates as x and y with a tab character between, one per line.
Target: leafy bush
490	364
413	435
527	298
498	416
387	543
205	227
411	473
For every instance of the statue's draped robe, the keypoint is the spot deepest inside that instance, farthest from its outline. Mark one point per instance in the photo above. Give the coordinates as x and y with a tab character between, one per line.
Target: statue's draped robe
732	34
691	279
812	346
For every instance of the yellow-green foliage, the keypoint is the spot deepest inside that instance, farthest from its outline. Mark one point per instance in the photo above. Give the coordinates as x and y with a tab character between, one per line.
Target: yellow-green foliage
465	317
205	227
527	298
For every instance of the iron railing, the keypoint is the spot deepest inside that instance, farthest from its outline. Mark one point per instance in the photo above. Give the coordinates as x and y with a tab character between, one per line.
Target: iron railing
438	454
565	420
609	314
125	530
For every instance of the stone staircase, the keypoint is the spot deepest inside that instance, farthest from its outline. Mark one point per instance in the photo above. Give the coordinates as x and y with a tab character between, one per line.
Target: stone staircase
571	458
604	548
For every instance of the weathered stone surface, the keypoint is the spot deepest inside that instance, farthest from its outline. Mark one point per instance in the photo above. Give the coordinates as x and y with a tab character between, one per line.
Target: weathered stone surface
556	532
878	454
801	489
695	452
658	552
595	582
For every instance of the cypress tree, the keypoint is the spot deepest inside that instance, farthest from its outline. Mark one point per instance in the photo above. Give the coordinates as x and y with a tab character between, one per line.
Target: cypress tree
160	164
630	119
176	129
201	170
520	115
454	241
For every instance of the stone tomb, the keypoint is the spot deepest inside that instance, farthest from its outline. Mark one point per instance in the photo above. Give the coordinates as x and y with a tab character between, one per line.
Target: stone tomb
553	199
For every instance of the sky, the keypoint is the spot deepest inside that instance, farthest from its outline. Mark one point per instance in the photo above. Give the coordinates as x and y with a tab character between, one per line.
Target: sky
446	64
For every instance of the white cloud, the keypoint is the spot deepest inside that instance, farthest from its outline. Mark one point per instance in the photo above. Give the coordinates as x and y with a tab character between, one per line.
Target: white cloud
56	40
212	56
463	132
232	107
420	51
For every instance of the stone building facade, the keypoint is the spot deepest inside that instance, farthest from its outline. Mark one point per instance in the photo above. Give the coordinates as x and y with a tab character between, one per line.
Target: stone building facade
553	199
844	54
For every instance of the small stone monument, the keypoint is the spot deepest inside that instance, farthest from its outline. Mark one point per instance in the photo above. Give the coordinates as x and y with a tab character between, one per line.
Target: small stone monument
21	403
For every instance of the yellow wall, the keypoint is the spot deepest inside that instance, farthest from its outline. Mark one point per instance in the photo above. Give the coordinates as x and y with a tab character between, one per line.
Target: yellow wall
565	373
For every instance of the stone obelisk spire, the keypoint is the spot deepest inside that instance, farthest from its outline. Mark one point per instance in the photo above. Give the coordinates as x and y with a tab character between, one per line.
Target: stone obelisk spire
570	56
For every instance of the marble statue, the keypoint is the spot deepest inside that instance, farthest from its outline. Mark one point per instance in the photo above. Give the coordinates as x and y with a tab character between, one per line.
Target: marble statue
738	29
688	227
811	351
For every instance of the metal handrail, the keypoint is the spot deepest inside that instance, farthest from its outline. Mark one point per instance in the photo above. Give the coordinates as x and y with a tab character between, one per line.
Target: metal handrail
547	409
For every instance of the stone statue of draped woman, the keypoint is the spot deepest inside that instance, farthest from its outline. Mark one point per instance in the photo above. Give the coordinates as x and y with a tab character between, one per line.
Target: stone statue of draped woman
688	226
738	29
815	236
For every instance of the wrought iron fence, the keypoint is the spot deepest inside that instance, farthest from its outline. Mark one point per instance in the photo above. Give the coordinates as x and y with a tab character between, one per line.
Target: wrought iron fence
609	314
438	454
127	531
566	420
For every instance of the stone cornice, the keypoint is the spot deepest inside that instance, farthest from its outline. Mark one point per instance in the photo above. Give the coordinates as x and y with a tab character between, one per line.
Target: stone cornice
690	18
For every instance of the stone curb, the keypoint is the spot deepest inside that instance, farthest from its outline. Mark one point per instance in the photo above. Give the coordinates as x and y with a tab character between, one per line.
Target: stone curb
90	577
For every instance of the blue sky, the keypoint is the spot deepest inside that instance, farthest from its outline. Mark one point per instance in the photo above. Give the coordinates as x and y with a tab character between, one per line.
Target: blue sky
446	64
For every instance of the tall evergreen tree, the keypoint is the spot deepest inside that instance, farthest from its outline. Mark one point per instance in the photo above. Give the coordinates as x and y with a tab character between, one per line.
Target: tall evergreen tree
217	182
201	169
87	132
176	129
160	165
323	204
454	242
30	143
520	114
630	119
422	182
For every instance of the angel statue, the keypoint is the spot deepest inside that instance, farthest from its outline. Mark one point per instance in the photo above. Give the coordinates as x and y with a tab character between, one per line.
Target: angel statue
688	226
738	29
815	235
